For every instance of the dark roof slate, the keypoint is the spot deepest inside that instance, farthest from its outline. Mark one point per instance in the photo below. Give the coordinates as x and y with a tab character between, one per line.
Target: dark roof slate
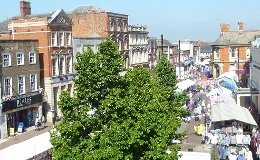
205	49
236	38
84	9
165	43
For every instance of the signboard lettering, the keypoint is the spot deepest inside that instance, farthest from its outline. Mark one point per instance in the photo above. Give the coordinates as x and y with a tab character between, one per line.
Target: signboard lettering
24	101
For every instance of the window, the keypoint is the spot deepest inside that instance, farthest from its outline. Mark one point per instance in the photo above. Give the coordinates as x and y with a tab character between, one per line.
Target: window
54	67
217	53
33	82
20	58
61	39
233	52
53	39
8	86
6	60
61	66
68	65
32	57
21	85
68	39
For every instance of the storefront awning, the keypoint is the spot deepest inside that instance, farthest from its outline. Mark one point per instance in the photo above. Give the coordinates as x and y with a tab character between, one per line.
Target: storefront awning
226	111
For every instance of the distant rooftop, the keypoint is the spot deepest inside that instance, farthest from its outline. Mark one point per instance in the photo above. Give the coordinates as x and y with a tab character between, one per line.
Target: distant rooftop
84	9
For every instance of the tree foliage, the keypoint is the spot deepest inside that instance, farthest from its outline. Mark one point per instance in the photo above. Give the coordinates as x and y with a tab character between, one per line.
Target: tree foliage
135	115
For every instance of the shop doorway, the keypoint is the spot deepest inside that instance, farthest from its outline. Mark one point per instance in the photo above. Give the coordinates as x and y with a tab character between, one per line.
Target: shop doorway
11	122
22	117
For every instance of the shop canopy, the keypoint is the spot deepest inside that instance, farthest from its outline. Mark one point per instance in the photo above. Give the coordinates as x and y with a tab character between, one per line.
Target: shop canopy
219	91
227	111
185	84
221	98
28	148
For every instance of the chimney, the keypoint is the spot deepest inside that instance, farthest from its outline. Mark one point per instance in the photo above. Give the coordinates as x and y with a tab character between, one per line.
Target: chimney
224	27
240	26
25	8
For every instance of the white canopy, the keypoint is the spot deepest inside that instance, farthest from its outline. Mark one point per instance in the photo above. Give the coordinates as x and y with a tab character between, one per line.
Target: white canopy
185	84
221	91
226	111
28	148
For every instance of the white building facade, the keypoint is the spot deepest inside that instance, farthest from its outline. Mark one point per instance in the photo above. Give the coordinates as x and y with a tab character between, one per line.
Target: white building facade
138	45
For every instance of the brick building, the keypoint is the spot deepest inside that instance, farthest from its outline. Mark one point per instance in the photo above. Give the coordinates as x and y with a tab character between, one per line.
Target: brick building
231	50
20	69
92	25
54	33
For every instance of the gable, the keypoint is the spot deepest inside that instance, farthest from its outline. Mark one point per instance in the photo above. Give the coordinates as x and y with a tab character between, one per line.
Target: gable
60	18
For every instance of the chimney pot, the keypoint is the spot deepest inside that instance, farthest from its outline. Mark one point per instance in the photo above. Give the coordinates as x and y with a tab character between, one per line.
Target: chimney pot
240	26
224	27
25	8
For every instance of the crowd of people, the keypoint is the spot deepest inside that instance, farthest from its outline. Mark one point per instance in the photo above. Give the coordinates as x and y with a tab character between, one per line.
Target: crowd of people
231	144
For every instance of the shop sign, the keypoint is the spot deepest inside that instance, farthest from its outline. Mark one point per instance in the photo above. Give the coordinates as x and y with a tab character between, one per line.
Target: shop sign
24	101
21	102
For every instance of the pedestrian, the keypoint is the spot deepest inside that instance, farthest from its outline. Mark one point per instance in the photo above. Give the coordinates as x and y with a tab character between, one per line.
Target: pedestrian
43	121
248	154
53	121
36	122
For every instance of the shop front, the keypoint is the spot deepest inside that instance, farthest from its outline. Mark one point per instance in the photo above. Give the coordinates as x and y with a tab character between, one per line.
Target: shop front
24	110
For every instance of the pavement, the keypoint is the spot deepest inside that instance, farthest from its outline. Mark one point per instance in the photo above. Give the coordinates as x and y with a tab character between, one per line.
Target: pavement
20	137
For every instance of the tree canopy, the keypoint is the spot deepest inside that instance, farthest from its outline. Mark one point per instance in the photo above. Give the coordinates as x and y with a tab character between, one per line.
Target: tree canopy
133	117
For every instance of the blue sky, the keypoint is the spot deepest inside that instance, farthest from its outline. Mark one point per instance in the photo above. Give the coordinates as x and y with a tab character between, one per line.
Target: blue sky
175	19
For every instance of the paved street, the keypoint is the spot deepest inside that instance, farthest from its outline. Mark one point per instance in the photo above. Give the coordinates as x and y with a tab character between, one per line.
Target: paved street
25	136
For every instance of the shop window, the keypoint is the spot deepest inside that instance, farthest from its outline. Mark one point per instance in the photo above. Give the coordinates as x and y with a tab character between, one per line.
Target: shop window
21	85
32	57
20	58
33	82
8	86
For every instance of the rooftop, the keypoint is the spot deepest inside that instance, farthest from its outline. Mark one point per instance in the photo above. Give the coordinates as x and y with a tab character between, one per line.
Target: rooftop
165	43
84	9
4	26
236	37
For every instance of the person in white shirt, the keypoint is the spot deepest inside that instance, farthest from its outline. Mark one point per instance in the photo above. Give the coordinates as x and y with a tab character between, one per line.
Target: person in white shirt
232	156
248	154
36	122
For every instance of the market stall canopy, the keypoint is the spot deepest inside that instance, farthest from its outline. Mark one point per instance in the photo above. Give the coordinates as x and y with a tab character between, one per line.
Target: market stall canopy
222	98
228	85
228	77
219	91
27	149
185	84
226	111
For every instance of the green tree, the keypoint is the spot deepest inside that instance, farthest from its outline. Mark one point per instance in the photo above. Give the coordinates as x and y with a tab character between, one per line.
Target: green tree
166	74
134	118
97	73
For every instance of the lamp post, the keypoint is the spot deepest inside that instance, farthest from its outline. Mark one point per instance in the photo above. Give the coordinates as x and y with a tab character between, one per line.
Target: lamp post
179	46
251	87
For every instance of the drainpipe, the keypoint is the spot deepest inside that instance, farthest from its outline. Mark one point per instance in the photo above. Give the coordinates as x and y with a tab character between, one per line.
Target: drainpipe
13	30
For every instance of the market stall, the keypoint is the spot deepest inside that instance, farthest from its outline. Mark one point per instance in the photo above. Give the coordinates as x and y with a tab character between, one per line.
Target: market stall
231	129
34	148
226	111
219	91
221	98
185	84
